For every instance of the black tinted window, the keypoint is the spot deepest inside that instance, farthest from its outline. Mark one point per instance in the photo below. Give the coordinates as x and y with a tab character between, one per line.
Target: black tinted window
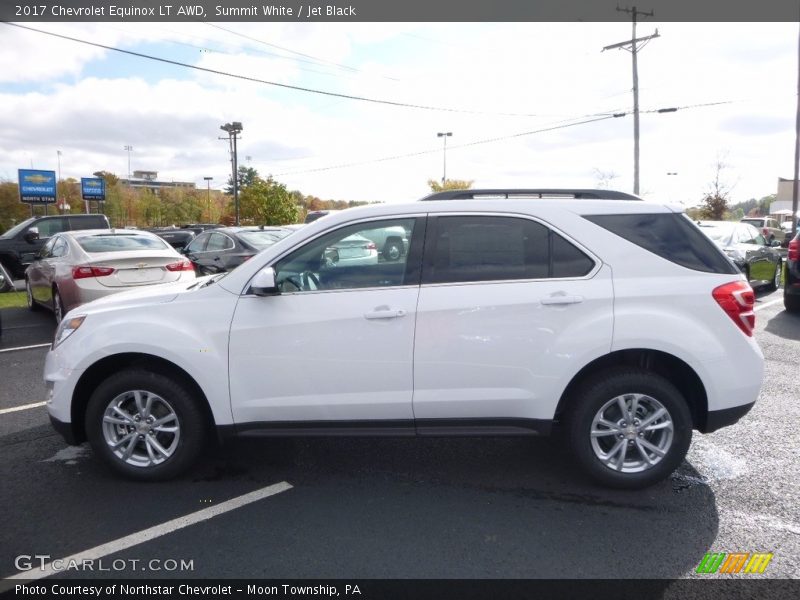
671	236
484	248
568	261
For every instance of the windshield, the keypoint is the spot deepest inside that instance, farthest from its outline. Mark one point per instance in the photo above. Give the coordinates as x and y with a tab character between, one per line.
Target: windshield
17	228
120	243
756	222
262	239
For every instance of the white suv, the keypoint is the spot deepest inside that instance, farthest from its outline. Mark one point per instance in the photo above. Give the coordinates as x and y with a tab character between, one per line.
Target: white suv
513	312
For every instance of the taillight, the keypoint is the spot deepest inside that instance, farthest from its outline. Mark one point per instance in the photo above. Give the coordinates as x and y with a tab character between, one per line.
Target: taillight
183	265
85	272
794	250
737	299
765	231
371	246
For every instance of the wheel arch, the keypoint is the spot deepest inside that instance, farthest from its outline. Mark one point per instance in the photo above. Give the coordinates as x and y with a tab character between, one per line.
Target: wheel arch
105	367
672	368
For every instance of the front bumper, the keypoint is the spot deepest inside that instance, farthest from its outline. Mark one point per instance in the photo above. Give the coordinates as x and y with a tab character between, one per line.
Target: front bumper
717	419
65	430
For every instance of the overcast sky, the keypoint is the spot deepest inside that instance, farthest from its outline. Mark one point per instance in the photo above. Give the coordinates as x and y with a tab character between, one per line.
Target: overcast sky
497	82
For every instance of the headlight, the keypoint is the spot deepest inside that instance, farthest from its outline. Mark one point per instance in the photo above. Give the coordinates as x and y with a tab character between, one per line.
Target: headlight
66	328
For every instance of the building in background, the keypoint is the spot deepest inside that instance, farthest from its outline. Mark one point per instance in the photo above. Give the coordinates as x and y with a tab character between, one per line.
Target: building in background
149	180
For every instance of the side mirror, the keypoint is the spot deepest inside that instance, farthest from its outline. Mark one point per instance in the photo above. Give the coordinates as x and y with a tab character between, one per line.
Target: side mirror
263	283
31	235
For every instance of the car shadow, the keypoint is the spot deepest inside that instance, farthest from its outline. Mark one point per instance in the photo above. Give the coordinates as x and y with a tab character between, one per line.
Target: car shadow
785	325
22	327
482	507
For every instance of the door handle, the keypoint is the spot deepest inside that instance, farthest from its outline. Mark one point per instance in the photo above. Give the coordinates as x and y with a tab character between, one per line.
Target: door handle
561	300
384	314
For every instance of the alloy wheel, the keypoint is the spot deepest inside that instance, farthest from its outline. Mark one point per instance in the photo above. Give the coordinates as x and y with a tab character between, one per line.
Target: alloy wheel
631	433
141	428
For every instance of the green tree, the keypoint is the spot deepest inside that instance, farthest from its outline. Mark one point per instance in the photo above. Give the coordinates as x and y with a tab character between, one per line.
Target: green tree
267	202
450	184
12	211
247	176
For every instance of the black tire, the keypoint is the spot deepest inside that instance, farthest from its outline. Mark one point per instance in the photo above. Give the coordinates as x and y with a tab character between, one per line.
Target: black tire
776	279
392	250
595	393
58	306
6	282
192	424
31	302
791	303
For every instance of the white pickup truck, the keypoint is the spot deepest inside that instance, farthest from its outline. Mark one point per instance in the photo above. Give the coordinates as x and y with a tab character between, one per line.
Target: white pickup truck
392	242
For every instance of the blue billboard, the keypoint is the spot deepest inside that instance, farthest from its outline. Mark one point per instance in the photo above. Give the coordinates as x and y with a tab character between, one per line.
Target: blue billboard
37	187
93	188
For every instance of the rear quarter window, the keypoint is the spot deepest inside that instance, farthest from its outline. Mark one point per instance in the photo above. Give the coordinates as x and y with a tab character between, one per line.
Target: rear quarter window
671	236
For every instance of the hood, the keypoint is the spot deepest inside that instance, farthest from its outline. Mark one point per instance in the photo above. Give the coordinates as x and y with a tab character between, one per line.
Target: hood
151	294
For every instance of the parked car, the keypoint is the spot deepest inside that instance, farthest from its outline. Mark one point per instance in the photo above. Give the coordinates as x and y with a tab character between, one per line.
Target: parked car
21	243
760	262
313	215
226	248
392	242
177	238
612	319
768	227
76	267
791	286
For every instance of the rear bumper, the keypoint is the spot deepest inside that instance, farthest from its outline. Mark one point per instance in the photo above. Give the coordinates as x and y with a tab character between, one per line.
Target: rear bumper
717	419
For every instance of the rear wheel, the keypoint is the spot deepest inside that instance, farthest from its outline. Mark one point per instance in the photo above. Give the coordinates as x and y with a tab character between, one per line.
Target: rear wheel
629	428
145	425
791	303
776	279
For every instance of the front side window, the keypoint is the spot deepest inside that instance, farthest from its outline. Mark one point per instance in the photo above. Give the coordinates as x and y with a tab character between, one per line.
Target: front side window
489	248
50	227
350	258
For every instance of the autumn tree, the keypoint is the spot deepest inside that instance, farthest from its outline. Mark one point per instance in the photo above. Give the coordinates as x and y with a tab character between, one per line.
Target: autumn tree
450	184
267	202
715	201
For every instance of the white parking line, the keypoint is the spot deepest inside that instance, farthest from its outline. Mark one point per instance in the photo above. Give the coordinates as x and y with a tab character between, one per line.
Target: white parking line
770	303
154	532
23	407
24	347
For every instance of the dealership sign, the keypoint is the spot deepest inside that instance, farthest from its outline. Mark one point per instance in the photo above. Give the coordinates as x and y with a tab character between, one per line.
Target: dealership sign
37	187
93	188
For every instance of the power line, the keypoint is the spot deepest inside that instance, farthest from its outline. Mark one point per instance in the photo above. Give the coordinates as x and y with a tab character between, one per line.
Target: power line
465	145
273	83
555	126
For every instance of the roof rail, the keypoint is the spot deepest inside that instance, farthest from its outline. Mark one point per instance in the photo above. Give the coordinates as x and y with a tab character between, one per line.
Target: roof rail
581	194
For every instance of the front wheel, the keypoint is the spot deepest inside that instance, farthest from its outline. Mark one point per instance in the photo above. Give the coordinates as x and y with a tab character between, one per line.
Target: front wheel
629	428
145	425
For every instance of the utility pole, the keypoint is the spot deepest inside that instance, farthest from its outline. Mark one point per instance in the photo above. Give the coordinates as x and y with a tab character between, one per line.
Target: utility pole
58	179
208	198
633	47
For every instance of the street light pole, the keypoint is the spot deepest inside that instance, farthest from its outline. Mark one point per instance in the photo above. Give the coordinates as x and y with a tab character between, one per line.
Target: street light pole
128	148
58	179
233	129
444	135
208	198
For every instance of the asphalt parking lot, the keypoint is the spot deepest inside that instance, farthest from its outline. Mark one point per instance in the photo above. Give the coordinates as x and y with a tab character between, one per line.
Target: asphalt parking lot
402	508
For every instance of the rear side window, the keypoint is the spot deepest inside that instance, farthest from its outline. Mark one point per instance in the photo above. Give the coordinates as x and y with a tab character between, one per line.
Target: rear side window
486	248
671	236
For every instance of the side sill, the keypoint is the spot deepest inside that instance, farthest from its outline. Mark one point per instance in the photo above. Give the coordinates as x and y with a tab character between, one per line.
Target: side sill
477	427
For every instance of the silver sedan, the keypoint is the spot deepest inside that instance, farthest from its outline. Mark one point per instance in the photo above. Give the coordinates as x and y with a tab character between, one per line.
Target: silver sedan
76	267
